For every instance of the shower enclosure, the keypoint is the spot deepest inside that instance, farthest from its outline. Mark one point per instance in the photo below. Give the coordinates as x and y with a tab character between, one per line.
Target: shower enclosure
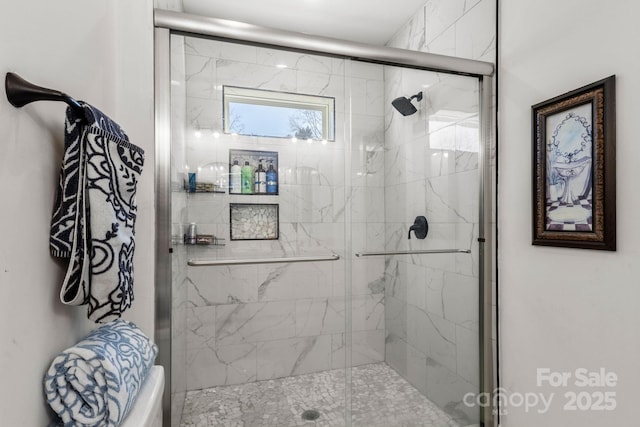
291	294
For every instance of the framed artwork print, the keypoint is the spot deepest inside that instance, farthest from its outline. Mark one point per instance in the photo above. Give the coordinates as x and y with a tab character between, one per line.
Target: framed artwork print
574	177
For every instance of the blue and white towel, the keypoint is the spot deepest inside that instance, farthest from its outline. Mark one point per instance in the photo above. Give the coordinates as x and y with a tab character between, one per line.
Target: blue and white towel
95	383
93	222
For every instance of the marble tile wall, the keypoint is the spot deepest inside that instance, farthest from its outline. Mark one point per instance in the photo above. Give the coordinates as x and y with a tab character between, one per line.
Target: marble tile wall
255	322
431	165
462	28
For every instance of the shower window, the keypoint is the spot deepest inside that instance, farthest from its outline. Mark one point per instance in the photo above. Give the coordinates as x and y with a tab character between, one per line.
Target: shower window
256	112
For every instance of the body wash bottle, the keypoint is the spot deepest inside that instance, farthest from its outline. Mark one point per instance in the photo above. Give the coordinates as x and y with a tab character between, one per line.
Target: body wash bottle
247	178
272	179
261	179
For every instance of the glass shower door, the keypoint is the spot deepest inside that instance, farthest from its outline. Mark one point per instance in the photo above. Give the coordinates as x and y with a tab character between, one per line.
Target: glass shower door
259	299
415	350
294	305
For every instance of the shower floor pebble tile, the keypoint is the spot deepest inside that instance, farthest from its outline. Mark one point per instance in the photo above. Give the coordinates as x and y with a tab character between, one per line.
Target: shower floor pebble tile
381	398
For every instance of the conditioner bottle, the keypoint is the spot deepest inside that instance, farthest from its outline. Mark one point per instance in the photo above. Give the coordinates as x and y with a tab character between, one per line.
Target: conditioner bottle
247	178
272	179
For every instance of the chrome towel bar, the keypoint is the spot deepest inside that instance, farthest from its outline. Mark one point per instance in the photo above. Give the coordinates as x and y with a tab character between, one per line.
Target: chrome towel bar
416	252
210	262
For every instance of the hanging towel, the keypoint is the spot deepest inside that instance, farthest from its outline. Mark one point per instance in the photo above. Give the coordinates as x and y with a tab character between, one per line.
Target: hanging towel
95	382
93	223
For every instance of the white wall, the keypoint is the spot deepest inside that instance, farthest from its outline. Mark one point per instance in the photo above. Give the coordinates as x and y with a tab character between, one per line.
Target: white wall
565	309
101	52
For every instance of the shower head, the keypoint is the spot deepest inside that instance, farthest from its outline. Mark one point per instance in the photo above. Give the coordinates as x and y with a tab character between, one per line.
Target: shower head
404	105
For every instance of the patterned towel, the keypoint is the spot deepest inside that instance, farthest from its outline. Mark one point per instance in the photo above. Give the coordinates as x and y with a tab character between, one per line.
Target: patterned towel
95	382
93	223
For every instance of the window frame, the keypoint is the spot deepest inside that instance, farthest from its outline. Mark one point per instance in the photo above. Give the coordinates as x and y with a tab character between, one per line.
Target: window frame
270	98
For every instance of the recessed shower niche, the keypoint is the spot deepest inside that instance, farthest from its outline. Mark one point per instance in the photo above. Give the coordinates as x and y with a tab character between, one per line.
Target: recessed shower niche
253	221
253	172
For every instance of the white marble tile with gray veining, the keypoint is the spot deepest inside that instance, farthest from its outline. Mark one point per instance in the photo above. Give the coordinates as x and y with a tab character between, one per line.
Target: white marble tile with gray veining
294	281
200	77
318	164
475	32
406	360
367	312
366	347
365	70
460	295
451	200
417	33
403	202
254	322
395	316
320	83
467	354
255	76
447	390
374	98
320	316
314	204
204	114
416	278
441	14
222	365
455	96
294	60
201	327
295	356
467	238
207	208
375	236
320	238
220	50
433	336
368	276
433	291
223	285
405	163
368	204
444	43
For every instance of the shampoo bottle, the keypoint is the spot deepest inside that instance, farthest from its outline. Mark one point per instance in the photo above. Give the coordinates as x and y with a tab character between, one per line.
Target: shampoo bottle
247	178
272	179
235	187
260	179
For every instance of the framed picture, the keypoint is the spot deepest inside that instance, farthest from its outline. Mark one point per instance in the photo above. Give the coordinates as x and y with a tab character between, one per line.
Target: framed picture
574	176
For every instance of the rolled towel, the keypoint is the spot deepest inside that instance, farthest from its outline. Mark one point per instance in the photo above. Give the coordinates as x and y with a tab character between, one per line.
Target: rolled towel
95	382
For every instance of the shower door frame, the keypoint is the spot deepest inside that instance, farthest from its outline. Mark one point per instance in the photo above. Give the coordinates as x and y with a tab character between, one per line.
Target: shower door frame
169	22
